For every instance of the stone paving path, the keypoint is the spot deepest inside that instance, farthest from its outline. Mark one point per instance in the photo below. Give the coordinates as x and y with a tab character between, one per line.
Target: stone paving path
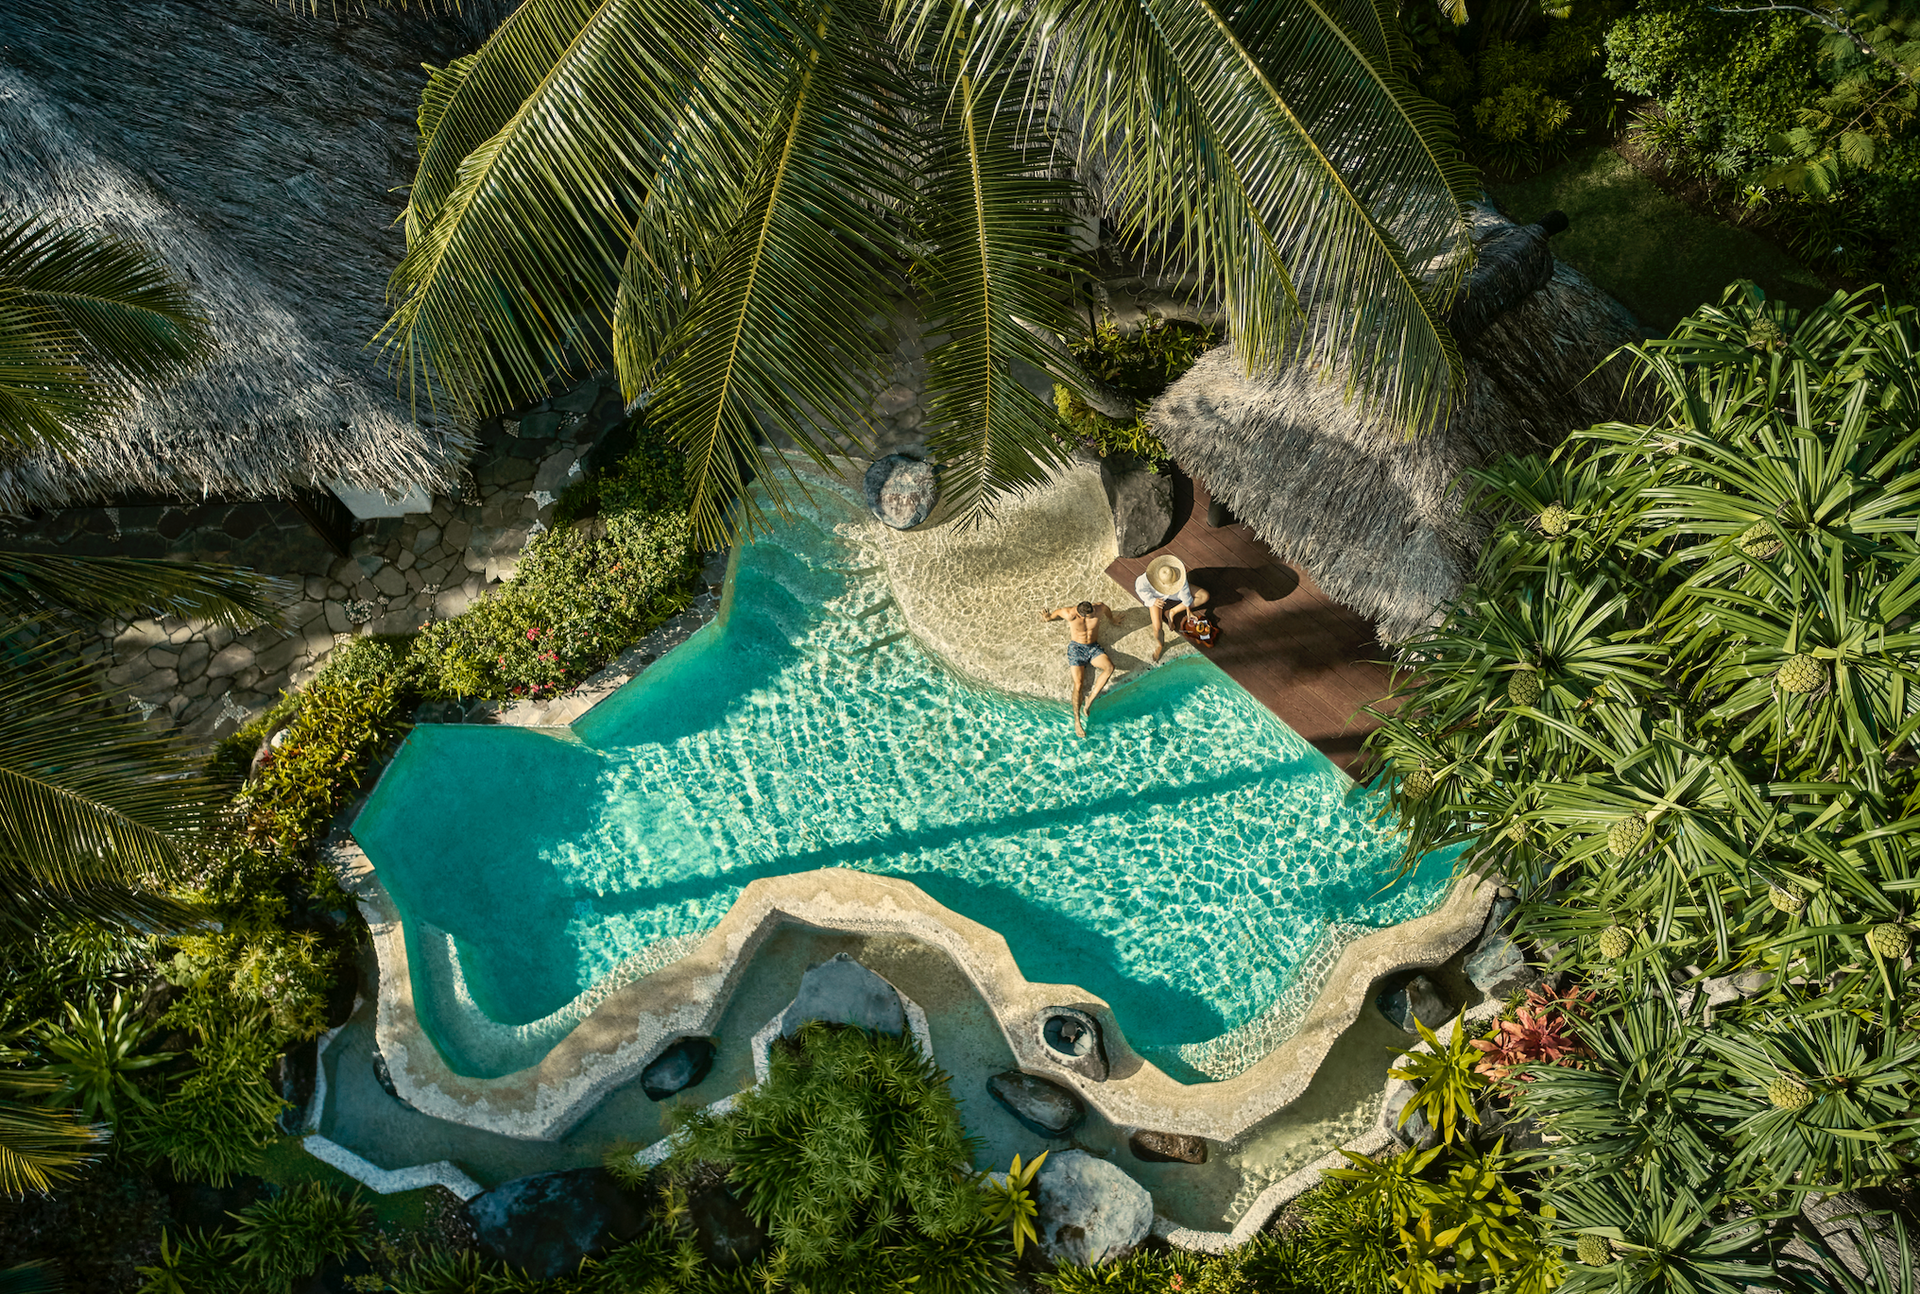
206	680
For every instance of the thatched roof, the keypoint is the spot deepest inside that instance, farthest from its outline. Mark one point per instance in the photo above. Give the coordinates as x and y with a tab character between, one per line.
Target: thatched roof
258	149
1374	515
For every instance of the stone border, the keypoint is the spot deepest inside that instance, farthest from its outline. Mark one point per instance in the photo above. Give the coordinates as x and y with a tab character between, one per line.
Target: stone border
633	1023
391	1181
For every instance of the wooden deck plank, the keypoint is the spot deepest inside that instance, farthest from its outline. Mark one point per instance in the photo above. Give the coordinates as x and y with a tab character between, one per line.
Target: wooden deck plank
1311	661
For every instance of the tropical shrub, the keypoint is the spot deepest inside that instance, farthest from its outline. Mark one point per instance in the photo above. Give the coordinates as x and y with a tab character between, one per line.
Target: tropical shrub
1267	1264
1448	1079
95	1057
1708	773
221	1115
850	1155
1541	1032
348	715
1011	1203
578	598
297	1232
1139	364
194	1262
646	474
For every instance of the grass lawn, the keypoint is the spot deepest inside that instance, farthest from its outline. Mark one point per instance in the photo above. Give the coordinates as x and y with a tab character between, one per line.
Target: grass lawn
1651	251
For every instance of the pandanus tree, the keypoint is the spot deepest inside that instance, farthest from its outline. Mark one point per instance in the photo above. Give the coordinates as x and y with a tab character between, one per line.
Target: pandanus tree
729	197
1678	707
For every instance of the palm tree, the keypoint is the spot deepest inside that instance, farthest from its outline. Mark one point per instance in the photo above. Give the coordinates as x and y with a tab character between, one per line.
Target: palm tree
729	197
93	808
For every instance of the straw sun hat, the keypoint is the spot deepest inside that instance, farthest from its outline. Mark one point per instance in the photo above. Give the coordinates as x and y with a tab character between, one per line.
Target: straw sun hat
1166	574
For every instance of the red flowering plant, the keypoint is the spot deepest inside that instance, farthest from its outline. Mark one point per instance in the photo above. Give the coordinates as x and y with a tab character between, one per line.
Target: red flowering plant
1540	1033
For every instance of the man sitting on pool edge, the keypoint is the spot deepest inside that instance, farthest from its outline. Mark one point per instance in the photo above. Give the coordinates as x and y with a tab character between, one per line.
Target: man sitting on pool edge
1083	648
1164	590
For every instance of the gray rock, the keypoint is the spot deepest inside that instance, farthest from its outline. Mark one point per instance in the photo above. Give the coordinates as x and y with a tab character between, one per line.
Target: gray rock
1167	1147
722	1230
389	580
681	1065
1418	999
901	491
1042	1107
1142	503
548	1222
1417	1132
845	992
1090	1211
1498	967
1071	1039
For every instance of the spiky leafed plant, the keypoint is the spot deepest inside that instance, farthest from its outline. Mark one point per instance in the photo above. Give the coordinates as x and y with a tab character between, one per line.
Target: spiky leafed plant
1666	1239
1540	1033
729	198
851	1154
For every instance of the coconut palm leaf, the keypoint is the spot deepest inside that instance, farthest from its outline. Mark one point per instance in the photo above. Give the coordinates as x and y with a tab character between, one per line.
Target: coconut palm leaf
1310	185
40	1147
92	806
996	236
124	586
84	316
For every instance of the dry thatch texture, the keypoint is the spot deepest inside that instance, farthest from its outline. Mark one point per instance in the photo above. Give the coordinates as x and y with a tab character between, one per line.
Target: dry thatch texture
1376	515
258	149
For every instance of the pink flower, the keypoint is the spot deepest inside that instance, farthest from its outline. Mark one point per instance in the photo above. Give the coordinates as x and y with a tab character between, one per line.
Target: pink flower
532	634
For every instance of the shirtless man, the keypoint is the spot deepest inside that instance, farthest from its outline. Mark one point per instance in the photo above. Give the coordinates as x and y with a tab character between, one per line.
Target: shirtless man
1083	648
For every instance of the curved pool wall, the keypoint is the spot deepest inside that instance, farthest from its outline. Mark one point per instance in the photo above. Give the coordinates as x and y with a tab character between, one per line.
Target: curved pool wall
1194	863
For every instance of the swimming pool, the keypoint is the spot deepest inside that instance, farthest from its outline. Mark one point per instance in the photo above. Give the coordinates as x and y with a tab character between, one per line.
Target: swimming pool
1188	862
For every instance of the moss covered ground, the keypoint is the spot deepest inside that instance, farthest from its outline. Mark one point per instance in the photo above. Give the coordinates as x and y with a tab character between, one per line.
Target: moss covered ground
1658	256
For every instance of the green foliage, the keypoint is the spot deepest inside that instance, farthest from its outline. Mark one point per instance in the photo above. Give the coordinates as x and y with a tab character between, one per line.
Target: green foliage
850	1156
295	1233
253	970
1139	365
578	597
214	1124
194	1262
1723	635
1449	1083
1812	111
350	713
95	1057
1267	1264
1525	84
1010	1204
648	475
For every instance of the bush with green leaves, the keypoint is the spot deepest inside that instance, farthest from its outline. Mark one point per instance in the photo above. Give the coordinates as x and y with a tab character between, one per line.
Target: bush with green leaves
297	1232
852	1156
1267	1264
1139	364
215	1122
349	714
1447	1081
1711	769
577	599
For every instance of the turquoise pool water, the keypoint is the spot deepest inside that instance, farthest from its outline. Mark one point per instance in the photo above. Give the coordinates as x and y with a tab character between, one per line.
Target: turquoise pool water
1183	862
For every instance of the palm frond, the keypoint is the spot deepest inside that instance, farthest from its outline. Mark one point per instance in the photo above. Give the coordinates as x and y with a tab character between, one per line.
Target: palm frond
123	586
41	1147
102	314
996	231
1312	187
88	798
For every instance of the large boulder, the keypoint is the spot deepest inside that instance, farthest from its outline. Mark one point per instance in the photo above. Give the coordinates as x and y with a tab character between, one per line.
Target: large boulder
843	991
1498	967
901	491
548	1222
1090	1211
682	1065
1142	502
1044	1108
1418	999
1167	1147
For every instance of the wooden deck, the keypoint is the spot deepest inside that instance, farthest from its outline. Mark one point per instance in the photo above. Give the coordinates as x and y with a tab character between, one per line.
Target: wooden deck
1307	658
